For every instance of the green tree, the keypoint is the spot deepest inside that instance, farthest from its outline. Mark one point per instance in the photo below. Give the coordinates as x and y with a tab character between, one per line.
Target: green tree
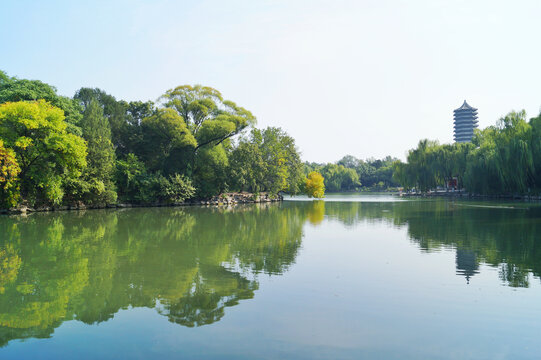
45	151
167	142
210	118
340	178
246	165
178	189
97	133
349	161
124	118
501	159
267	160
14	89
211	170
101	156
128	174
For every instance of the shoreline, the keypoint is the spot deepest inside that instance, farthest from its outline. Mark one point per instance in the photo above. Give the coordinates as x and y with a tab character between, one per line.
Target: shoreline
465	195
227	199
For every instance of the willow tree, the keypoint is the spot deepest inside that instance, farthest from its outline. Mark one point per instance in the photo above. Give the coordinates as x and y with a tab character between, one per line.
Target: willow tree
514	153
502	162
535	144
422	161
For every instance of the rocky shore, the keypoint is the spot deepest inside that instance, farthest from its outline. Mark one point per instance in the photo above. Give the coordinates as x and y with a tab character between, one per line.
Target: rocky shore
218	200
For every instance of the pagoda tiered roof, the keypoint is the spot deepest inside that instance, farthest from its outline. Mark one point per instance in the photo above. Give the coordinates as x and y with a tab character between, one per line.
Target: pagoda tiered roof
465	106
465	121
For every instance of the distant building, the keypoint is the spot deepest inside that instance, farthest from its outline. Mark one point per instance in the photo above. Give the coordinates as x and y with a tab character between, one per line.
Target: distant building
465	122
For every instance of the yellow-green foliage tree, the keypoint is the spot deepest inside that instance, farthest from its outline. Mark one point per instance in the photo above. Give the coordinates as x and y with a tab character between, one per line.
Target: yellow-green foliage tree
9	169
10	262
315	185
45	151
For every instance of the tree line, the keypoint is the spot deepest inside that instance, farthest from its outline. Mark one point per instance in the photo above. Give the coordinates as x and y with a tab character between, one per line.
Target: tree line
353	174
94	149
503	159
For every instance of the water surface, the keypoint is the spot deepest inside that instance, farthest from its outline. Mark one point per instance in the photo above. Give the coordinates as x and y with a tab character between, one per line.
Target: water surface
360	277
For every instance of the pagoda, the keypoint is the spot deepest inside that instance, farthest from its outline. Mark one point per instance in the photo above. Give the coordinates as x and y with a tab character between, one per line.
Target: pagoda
465	122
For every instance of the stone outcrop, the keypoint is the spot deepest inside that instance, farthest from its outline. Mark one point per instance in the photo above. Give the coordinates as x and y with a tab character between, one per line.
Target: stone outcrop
240	198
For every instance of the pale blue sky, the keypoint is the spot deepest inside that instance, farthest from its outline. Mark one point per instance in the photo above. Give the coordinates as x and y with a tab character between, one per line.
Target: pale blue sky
367	78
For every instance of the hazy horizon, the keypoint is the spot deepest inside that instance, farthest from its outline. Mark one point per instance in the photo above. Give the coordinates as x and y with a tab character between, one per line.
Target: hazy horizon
367	78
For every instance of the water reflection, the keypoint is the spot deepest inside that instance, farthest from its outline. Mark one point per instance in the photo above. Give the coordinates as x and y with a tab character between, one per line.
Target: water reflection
191	264
505	236
467	264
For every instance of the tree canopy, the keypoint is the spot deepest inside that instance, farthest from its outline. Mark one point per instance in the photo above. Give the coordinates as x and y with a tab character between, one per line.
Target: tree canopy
501	159
210	118
314	185
94	149
45	151
13	89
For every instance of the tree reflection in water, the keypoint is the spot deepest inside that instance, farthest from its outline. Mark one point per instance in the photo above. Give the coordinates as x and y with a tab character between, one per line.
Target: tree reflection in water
506	236
190	264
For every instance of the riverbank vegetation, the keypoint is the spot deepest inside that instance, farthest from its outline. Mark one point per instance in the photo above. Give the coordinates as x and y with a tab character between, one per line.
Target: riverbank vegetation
501	159
352	174
95	150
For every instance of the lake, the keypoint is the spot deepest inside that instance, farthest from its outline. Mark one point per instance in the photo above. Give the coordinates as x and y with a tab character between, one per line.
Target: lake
354	276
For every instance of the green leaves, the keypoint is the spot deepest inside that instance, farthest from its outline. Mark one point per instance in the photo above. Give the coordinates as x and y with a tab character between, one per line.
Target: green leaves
166	138
190	136
210	118
14	90
45	151
266	161
500	160
340	178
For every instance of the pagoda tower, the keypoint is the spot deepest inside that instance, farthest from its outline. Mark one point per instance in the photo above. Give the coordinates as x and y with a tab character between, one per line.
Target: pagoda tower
465	122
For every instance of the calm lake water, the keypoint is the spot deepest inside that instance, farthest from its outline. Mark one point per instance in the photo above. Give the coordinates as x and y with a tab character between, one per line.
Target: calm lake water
351	277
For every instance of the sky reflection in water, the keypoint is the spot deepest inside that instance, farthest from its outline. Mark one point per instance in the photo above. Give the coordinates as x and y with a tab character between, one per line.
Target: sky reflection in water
301	279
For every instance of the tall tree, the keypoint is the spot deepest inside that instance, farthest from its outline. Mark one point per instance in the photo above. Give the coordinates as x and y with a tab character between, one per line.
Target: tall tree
167	142
97	133
101	155
210	118
45	151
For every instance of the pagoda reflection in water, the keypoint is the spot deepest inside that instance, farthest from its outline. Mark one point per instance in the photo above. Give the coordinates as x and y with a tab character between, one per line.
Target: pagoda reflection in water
466	263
